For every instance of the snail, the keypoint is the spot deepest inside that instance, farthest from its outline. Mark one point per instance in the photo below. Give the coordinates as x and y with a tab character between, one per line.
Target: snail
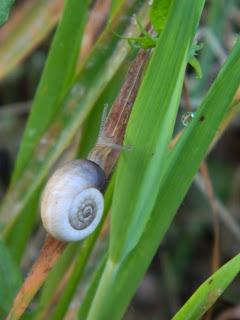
72	203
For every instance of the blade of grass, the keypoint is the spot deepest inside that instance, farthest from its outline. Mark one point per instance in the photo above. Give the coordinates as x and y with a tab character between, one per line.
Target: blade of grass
159	13
5	7
57	76
203	169
17	235
88	298
28	26
150	130
115	4
10	279
182	165
206	295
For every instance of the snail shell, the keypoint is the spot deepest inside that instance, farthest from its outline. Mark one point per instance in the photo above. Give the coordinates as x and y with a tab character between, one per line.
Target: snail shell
72	204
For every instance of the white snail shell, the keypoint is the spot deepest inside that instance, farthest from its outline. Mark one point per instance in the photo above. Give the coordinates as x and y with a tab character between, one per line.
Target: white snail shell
71	204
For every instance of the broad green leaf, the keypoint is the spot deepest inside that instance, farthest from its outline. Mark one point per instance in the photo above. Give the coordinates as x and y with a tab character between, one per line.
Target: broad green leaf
88	298
206	295
150	130
5	7
10	280
56	79
34	22
182	165
159	13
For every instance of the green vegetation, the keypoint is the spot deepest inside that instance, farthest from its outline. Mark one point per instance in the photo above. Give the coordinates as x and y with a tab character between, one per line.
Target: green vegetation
157	162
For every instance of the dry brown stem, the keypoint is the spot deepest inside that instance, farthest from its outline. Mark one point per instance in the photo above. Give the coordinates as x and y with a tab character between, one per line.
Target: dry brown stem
49	254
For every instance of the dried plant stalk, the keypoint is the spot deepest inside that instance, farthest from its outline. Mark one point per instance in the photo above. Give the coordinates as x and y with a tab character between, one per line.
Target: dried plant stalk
49	254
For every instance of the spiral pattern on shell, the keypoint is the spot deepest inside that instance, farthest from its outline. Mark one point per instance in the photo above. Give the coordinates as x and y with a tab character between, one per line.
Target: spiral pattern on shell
72	204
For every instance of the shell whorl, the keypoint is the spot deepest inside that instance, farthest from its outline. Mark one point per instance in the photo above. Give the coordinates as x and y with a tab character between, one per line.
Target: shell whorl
72	204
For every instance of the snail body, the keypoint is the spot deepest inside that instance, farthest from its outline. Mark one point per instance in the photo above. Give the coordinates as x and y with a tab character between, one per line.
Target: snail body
72	203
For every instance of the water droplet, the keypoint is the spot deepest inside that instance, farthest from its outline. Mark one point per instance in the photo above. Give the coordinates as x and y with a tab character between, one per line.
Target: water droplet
187	118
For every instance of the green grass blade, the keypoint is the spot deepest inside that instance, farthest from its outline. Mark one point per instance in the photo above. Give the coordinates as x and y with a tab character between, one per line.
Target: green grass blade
115	5
5	7
150	130
159	13
183	163
205	296
26	30
87	301
56	78
10	279
19	231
